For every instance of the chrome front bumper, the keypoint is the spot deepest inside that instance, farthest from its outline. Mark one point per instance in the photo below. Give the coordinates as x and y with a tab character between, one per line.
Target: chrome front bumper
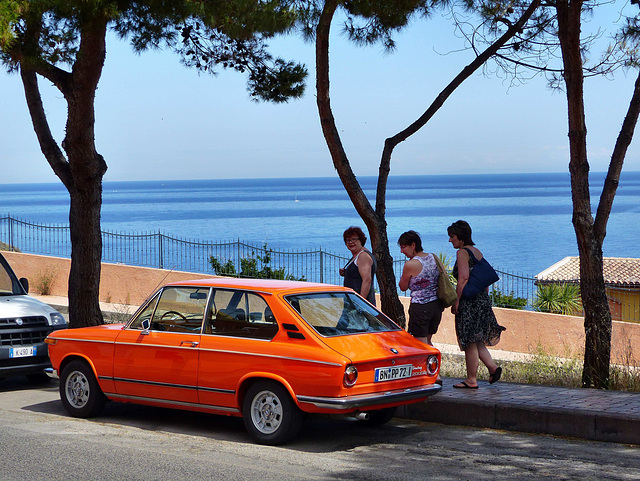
367	400
52	373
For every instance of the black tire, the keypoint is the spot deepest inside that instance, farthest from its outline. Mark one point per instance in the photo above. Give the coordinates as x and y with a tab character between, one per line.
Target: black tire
270	415
79	390
378	418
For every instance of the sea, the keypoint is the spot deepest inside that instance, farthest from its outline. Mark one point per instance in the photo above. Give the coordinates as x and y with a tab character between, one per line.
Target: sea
521	222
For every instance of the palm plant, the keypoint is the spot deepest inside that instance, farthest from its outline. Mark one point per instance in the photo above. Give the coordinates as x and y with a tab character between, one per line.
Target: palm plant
446	262
557	298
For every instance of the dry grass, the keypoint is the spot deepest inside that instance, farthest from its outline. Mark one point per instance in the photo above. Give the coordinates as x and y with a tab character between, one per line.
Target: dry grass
8	247
44	283
547	370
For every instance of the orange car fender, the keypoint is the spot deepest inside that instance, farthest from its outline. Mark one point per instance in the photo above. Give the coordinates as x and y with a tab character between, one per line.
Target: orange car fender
250	378
71	356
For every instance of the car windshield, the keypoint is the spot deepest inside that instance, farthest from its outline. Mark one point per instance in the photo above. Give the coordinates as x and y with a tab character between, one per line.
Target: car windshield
9	285
340	313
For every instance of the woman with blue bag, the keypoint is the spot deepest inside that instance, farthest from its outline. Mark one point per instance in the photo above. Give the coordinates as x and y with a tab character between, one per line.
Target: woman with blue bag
476	324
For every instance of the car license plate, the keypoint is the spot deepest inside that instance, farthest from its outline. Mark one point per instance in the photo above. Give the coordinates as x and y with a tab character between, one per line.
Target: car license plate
23	351
393	372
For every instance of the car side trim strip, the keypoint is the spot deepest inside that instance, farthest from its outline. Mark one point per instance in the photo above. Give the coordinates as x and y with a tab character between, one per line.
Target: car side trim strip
115	396
243	353
273	356
165	384
148	383
366	400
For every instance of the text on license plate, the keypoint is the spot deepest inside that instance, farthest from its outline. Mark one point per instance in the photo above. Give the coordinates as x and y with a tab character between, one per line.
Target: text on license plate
393	372
23	351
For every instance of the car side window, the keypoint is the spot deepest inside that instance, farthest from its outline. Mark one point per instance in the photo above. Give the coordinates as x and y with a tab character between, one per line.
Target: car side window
180	309
145	314
240	314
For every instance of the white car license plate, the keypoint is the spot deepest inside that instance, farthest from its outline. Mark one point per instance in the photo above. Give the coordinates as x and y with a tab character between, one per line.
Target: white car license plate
23	351
393	372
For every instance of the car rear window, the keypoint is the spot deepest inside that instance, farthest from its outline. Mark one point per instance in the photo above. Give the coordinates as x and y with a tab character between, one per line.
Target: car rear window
340	313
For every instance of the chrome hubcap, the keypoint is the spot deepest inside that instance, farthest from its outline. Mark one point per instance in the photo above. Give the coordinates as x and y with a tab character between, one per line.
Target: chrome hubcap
266	412
77	389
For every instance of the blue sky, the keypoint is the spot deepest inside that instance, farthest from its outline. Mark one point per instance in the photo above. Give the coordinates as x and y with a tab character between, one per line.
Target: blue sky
157	120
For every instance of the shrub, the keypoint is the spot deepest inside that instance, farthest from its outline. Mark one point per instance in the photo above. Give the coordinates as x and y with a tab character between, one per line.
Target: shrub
446	262
255	267
557	298
44	283
509	301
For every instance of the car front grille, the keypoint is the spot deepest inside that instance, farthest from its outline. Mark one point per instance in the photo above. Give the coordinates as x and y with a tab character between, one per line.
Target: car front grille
23	331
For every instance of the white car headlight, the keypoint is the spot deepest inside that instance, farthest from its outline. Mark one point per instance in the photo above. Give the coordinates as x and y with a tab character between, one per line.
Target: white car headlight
57	319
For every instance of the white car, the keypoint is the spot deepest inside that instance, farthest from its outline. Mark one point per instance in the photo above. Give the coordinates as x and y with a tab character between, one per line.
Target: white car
25	322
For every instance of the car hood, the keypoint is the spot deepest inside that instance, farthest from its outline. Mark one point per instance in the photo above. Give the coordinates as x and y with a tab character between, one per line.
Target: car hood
378	346
23	306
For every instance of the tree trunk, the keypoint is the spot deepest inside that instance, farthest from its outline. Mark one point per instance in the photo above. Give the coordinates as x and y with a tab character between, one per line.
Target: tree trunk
389	299
597	319
376	225
83	168
86	254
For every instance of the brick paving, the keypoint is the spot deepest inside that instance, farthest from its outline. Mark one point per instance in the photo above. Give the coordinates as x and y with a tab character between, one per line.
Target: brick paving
582	413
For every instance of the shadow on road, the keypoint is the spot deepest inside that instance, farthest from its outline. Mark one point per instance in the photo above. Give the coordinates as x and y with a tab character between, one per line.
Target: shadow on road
320	433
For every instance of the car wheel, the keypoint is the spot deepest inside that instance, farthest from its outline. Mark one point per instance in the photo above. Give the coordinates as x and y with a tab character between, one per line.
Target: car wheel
79	390
379	417
270	415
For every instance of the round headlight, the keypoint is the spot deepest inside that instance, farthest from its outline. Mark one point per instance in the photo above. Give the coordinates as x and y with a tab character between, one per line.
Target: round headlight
432	365
350	376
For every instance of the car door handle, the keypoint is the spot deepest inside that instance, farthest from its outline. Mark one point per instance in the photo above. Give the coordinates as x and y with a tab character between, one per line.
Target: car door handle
193	343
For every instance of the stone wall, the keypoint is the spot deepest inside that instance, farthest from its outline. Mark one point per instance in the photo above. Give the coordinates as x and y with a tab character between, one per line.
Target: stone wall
556	334
119	283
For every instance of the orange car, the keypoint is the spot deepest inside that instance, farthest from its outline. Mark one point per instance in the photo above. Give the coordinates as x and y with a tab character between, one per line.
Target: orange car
266	350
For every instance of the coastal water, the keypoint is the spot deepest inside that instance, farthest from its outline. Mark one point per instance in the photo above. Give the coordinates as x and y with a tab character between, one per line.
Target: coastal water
522	222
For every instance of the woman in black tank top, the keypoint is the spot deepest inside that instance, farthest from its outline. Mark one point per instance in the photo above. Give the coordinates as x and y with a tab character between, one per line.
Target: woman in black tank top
360	270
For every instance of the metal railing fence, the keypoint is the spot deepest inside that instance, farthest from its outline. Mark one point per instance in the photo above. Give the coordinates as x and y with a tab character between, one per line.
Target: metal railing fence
158	250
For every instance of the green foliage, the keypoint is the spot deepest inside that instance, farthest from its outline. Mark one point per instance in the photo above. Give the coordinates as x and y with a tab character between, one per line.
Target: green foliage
226	269
509	301
255	267
557	298
446	262
206	35
9	15
381	18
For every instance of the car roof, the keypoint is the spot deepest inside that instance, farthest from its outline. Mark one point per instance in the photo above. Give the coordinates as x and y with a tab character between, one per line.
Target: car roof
263	285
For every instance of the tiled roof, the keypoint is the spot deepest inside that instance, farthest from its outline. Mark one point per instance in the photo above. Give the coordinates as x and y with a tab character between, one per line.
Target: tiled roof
617	270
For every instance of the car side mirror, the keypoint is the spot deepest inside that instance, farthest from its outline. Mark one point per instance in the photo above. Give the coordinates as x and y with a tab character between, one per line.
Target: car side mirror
146	324
25	284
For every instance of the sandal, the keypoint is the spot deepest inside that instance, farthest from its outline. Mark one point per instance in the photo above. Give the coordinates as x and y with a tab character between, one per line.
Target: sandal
495	377
464	385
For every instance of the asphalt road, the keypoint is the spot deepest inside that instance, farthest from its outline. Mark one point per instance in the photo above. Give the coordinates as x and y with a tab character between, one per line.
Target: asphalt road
40	442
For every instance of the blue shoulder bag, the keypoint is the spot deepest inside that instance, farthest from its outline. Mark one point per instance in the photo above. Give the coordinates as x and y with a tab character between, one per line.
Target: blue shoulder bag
481	276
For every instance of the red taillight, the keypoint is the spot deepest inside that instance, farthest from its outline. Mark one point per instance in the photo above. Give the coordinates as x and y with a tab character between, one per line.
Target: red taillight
432	365
350	376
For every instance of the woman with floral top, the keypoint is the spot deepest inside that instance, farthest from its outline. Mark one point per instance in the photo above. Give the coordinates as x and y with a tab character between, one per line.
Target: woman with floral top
420	275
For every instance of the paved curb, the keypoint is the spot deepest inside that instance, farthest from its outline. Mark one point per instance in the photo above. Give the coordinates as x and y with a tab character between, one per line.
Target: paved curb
536	417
